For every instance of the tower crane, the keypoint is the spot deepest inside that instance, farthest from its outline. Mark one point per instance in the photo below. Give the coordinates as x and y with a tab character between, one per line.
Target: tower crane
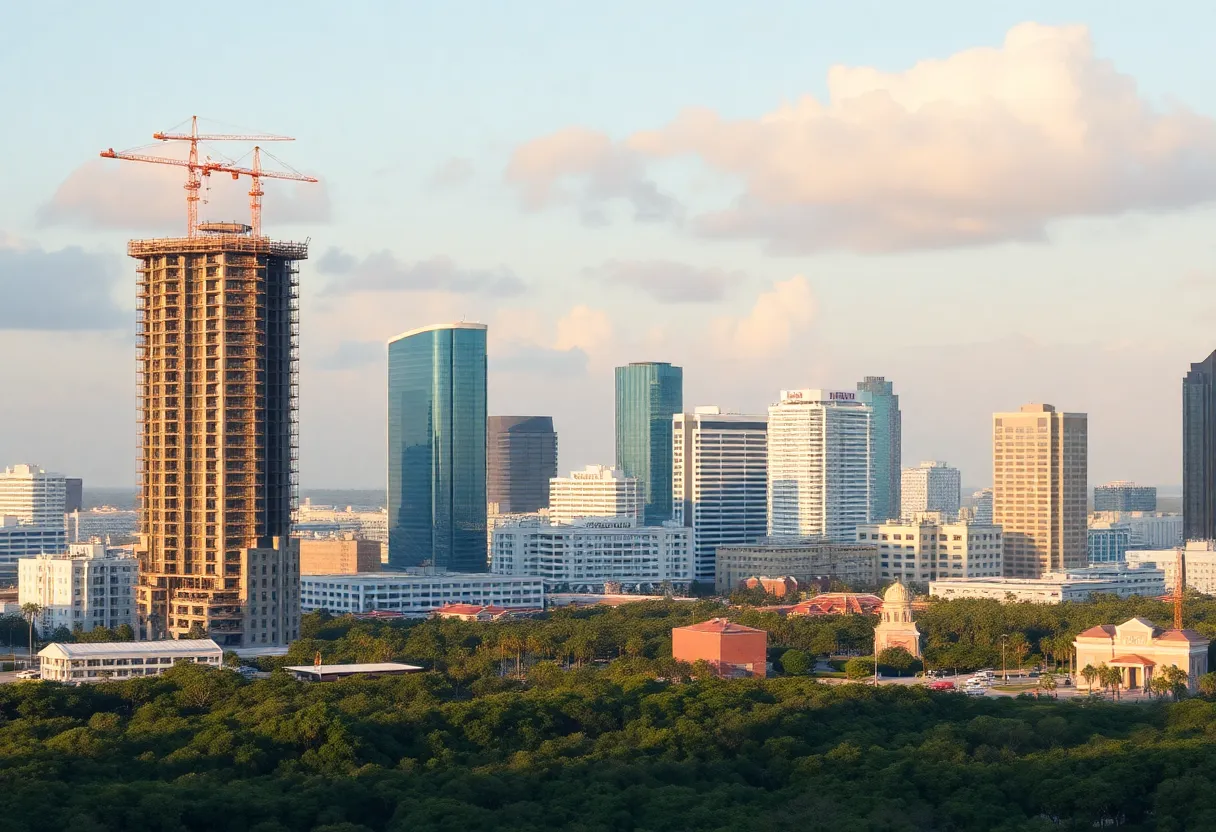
196	170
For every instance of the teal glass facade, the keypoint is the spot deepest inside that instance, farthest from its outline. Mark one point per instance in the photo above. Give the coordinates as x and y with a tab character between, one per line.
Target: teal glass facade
648	395
437	448
886	442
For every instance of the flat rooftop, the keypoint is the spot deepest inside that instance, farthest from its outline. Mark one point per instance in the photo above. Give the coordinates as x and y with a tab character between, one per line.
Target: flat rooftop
352	669
205	243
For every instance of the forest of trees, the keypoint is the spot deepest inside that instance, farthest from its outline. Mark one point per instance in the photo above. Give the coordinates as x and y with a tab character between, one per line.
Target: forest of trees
581	720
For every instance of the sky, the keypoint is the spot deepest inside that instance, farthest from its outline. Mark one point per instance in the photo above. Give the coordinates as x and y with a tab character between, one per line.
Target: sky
988	205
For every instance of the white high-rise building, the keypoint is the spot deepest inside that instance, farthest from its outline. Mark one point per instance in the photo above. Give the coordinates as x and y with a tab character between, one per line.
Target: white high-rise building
24	540
596	491
719	481
87	587
819	464
585	555
933	486
33	496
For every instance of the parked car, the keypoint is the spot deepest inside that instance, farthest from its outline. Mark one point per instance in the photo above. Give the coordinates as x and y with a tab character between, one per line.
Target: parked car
28	674
943	684
975	691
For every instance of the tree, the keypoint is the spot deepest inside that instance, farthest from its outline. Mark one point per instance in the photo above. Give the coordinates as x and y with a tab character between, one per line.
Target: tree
1048	683
897	661
30	611
1178	681
1090	674
197	630
796	662
859	667
1207	684
1111	678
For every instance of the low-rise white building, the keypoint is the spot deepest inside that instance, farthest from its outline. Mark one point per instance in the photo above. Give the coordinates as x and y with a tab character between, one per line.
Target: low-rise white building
84	588
596	491
103	661
929	546
417	594
583	555
1199	564
1056	587
23	540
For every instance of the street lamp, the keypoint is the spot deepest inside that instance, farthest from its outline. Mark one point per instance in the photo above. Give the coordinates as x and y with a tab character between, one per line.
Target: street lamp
1004	670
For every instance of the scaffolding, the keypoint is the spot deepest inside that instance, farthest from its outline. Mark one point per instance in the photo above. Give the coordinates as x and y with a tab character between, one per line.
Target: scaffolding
218	354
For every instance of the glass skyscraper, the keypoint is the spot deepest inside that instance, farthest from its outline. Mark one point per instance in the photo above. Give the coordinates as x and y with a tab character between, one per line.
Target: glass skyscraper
1199	451
886	422
648	395
437	448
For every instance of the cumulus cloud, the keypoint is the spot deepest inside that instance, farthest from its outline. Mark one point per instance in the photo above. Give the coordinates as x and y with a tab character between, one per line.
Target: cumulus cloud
383	272
451	174
584	328
667	281
770	326
986	145
587	170
67	289
115	195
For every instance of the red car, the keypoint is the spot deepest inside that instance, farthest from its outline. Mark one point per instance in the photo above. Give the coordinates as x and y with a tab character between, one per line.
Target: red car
942	685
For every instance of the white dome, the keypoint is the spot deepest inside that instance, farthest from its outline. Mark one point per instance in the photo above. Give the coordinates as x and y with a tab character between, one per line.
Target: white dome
896	593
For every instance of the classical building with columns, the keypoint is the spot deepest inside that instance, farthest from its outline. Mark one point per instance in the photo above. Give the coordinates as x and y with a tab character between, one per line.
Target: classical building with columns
1139	649
896	627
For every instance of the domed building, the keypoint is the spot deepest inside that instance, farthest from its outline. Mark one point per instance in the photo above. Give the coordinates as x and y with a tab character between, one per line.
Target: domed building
896	627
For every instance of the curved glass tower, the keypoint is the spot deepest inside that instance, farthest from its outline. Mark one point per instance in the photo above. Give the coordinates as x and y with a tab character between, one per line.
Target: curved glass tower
437	448
648	395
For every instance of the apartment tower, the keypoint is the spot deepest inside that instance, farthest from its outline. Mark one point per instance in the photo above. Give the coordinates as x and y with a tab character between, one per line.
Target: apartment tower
218	334
648	395
1039	468
819	455
719	481
932	486
596	491
521	458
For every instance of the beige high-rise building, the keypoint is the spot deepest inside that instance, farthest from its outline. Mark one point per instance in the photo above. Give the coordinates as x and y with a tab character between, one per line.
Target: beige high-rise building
1039	472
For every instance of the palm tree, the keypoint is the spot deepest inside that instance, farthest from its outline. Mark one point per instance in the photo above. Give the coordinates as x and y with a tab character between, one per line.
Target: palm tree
1089	673
30	611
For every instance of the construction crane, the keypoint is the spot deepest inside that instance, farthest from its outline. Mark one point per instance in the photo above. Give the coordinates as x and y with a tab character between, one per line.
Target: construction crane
196	170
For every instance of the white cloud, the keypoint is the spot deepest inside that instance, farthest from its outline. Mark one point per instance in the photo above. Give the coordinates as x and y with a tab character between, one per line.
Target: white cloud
986	145
584	328
770	326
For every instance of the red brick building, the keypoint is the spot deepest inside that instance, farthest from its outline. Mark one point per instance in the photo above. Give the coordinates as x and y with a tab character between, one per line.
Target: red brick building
733	650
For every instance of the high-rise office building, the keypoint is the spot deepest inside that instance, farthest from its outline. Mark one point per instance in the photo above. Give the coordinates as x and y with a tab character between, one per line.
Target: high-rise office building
32	495
933	486
982	509
596	491
217	349
1199	451
73	495
719	481
1121	495
1039	466
648	395
521	458
437	448
886	425
819	464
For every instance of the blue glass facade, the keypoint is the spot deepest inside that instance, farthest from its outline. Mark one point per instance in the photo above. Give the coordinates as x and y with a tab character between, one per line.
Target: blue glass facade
1109	545
648	395
437	448
886	432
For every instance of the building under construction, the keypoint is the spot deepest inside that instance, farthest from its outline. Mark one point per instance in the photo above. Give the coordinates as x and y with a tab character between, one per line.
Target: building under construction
218	335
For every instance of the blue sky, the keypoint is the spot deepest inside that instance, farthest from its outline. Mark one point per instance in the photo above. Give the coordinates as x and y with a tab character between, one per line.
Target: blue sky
1021	243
